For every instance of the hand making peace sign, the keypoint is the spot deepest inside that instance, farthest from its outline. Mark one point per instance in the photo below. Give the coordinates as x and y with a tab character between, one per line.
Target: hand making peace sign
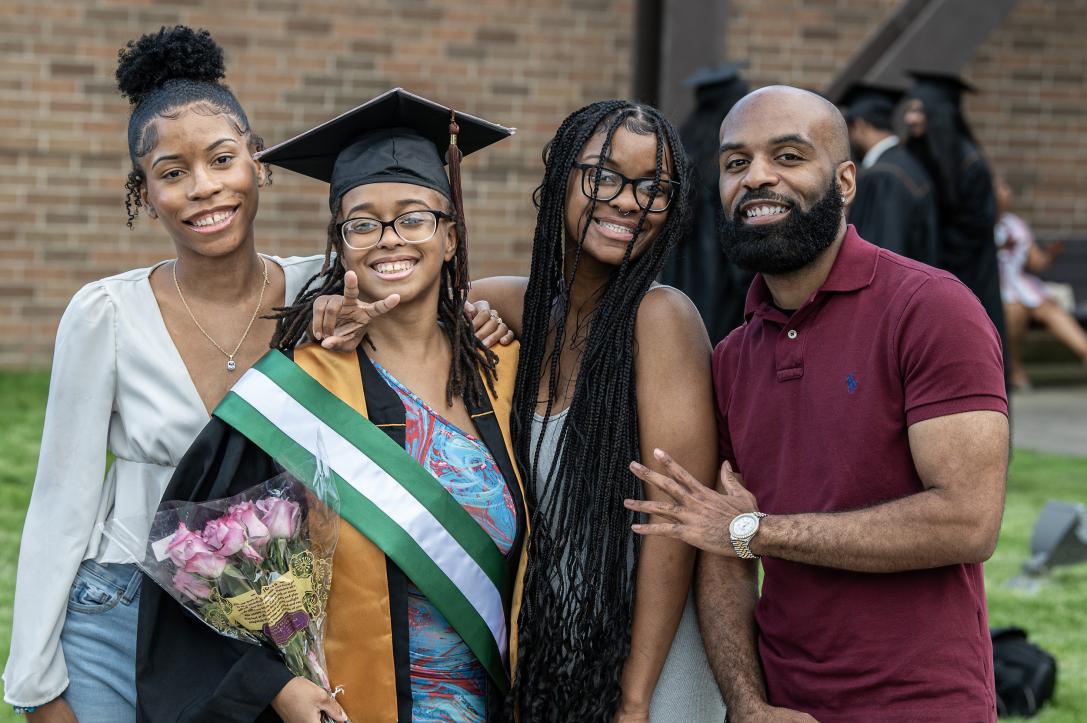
340	321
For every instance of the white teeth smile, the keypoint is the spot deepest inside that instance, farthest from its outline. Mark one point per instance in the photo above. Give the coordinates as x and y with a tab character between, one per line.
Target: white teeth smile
212	219
756	211
391	267
614	227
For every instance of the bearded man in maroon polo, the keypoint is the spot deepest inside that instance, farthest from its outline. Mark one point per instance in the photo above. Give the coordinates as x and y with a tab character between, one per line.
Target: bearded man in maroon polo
864	433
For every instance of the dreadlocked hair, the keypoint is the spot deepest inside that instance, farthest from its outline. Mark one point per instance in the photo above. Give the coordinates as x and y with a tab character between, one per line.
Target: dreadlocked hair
471	359
162	74
574	630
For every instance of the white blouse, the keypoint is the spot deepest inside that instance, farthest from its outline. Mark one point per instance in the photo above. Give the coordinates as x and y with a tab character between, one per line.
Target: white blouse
118	382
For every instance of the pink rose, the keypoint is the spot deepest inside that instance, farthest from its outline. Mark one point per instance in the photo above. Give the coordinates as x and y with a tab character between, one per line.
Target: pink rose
251	553
192	587
245	513
206	564
279	516
225	535
188	551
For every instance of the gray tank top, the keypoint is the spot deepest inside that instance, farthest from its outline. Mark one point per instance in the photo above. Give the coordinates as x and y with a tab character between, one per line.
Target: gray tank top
686	691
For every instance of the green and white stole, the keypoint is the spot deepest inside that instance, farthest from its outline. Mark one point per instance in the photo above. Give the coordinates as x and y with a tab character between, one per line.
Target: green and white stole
385	494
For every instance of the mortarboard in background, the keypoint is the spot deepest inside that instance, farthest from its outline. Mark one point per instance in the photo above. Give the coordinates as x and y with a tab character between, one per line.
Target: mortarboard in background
715	74
948	86
872	103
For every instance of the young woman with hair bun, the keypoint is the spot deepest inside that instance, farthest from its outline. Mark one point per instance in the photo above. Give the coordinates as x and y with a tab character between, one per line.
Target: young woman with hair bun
139	361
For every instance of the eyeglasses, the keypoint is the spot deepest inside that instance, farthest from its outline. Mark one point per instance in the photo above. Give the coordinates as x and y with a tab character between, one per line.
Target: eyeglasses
413	227
604	184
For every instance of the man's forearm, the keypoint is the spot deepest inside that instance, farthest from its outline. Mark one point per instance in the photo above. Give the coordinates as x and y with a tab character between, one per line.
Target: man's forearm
726	591
925	530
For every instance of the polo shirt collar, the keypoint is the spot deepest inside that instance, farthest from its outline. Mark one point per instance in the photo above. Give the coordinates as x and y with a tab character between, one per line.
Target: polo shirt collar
853	269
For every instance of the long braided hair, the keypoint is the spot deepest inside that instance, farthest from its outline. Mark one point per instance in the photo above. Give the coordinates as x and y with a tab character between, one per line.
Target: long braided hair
470	356
574	632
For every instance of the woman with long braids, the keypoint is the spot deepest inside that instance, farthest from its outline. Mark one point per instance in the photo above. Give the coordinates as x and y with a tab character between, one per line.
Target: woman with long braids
443	501
612	366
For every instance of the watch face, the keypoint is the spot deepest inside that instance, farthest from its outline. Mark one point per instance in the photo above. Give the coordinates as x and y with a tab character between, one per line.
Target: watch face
743	525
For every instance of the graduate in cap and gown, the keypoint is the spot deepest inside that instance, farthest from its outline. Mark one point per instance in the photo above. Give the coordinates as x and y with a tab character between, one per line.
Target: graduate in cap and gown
895	206
939	137
412	632
698	266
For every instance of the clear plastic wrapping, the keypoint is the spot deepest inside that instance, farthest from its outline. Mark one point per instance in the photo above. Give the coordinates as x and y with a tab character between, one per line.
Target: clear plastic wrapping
255	567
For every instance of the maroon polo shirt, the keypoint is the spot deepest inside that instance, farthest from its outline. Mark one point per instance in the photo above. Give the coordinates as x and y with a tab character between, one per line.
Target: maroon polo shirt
813	410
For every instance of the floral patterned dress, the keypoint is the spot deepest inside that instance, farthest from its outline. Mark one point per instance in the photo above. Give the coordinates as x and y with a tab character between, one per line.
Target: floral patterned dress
448	683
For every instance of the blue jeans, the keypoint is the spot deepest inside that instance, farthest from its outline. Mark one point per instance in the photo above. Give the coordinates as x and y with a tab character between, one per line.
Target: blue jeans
99	642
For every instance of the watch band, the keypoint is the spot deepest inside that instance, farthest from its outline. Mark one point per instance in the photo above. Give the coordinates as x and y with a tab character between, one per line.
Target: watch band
742	550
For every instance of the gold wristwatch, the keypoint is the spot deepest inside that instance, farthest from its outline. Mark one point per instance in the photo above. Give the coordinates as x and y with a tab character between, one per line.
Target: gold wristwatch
741	530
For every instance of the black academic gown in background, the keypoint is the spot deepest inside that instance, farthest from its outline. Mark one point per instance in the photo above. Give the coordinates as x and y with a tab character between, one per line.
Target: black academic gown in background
186	672
699	268
895	207
967	246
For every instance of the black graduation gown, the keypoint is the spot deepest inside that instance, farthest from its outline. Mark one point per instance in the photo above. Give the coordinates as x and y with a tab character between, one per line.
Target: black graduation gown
699	268
185	671
895	207
967	244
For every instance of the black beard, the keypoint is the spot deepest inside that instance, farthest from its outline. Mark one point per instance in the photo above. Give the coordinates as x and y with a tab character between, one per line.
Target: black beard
788	245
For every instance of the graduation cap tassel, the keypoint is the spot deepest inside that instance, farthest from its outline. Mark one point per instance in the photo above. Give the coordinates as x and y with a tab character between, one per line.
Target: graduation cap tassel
453	157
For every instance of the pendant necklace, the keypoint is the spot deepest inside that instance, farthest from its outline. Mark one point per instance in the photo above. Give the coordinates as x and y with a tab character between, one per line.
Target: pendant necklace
231	365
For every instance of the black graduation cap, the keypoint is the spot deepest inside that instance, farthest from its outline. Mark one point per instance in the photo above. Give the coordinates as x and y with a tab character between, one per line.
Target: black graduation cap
714	74
873	103
946	85
397	137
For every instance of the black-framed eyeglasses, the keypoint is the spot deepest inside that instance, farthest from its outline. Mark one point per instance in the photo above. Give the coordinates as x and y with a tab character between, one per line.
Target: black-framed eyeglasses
604	184
413	227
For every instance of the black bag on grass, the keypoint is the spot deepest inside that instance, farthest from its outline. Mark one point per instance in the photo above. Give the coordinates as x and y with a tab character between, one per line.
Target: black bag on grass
1025	674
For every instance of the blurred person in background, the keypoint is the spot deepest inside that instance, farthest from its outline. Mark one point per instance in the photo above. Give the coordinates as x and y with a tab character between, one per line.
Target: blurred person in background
698	266
938	136
895	207
1025	296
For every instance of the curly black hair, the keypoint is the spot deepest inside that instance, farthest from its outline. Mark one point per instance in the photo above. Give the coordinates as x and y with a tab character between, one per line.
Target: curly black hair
161	73
574	630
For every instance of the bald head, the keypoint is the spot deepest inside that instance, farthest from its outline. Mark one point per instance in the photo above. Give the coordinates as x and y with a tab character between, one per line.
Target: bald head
793	111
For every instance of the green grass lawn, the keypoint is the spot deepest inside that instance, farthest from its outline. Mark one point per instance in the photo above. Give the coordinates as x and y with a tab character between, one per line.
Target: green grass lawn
1055	616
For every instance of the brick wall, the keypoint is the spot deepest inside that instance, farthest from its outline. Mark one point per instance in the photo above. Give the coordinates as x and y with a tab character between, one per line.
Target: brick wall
1030	114
525	63
292	63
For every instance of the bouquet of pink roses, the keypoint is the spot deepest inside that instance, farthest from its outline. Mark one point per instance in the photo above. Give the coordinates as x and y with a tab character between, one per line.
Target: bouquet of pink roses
255	567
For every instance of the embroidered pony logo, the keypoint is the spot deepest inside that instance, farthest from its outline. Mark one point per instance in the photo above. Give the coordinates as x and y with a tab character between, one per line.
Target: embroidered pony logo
851	383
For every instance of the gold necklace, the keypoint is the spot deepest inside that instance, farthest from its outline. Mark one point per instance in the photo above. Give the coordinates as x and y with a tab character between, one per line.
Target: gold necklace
231	365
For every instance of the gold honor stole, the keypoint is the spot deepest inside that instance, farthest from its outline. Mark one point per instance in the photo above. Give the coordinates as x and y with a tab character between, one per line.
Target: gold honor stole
386	495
